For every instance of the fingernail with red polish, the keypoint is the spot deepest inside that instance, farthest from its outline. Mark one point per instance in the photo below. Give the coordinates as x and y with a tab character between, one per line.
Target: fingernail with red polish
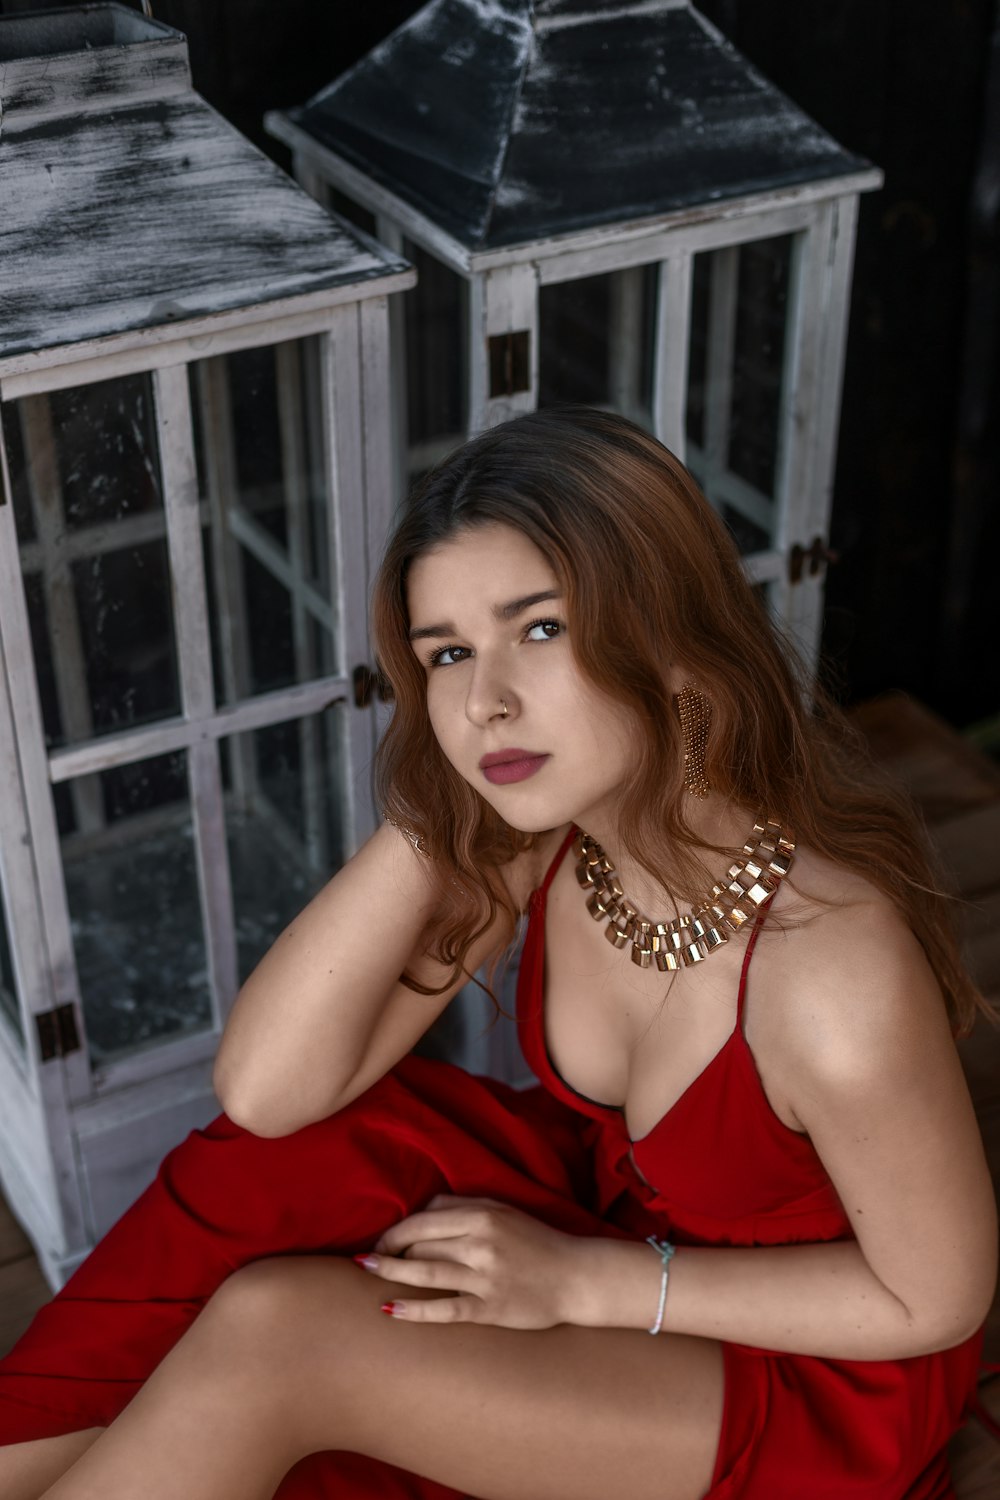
392	1308
369	1262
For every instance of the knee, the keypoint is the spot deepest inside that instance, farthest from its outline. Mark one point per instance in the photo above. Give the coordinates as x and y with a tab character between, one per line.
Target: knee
261	1296
277	1299
246	1322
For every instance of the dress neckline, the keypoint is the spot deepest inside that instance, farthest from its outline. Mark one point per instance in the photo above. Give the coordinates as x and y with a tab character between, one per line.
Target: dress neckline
537	910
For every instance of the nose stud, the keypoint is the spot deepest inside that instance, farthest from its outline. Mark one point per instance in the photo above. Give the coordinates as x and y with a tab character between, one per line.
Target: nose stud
505	709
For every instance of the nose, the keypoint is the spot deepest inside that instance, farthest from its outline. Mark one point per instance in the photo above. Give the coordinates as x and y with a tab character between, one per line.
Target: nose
489	698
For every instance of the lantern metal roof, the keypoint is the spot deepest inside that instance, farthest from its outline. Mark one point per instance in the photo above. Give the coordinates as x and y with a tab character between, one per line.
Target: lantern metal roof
128	205
510	121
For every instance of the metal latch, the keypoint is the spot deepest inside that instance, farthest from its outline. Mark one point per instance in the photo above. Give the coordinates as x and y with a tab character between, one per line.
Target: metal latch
57	1032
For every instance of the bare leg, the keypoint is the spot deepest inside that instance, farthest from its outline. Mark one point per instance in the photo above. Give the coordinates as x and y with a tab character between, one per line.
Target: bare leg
292	1356
27	1469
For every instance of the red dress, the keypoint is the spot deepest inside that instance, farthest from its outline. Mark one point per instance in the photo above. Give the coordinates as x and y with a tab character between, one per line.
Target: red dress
727	1172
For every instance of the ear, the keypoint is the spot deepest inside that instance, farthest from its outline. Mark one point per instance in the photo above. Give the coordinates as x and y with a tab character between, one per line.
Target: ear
678	675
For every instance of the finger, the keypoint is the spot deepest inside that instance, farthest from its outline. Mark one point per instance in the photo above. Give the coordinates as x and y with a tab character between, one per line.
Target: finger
435	1310
439	1275
453	1200
456	1250
433	1224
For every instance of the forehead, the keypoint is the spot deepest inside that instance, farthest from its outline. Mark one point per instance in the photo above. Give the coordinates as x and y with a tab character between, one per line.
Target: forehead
479	564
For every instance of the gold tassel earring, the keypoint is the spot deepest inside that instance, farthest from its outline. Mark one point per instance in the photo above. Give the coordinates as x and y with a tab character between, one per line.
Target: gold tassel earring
695	715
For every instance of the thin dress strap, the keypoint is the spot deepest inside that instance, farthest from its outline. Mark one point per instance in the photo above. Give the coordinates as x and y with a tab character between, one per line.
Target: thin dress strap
741	998
557	861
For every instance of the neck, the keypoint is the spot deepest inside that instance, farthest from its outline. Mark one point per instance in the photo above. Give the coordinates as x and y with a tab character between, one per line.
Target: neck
713	821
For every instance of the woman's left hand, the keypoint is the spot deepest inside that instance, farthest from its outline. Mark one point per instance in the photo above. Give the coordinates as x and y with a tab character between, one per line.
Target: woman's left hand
507	1268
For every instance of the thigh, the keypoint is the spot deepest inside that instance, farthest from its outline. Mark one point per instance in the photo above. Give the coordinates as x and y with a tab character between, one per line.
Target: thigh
27	1469
502	1414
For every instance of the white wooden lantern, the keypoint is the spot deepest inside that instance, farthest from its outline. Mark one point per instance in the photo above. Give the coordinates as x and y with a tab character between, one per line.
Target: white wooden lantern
608	204
196	485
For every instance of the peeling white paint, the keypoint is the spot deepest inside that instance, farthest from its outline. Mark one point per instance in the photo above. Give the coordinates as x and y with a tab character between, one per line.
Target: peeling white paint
145	203
556	22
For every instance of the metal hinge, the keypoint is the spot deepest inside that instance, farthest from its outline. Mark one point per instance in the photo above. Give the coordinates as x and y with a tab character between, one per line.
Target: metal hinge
57	1032
510	363
814	556
367	684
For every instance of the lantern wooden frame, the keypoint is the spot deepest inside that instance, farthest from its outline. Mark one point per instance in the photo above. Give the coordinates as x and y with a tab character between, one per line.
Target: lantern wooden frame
542	142
503	290
79	1140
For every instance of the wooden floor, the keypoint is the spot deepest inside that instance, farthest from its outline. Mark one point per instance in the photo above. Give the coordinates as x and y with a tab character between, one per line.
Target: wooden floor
958	791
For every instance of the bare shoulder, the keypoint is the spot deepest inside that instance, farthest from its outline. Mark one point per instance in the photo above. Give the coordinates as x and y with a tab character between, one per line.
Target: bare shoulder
849	988
526	871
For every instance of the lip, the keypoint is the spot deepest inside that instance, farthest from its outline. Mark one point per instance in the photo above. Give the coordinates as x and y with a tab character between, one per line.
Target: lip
511	765
500	756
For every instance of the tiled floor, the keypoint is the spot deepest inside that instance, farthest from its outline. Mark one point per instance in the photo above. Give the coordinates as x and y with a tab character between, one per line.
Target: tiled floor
959	793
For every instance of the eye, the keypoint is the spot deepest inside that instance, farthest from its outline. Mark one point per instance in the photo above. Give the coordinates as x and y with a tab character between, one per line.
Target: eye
550	629
447	656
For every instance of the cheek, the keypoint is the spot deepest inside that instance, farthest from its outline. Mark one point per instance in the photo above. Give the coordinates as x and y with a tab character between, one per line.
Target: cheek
445	719
610	733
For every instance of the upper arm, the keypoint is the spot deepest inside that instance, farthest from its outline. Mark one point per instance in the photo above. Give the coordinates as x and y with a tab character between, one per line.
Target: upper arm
875	1079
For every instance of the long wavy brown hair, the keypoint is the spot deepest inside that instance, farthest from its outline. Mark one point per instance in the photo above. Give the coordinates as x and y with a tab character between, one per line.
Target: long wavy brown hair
650	577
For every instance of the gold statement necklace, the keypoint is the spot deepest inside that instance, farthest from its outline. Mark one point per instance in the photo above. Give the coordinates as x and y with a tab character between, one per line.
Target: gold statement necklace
689	938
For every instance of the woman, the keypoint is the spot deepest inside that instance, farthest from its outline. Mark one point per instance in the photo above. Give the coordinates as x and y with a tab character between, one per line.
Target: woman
773	1166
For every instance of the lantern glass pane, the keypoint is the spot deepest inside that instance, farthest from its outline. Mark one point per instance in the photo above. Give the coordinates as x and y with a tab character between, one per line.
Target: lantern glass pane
739	320
284	796
355	213
134	908
262	473
88	506
24	518
595	342
10	1008
436	319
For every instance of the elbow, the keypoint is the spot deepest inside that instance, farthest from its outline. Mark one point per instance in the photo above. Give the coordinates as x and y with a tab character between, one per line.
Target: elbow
968	1316
248	1108
963	1314
265	1104
951	1306
942	1335
946	1327
258	1122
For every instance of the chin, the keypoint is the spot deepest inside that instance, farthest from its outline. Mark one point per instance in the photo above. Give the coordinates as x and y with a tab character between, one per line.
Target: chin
532	825
529	819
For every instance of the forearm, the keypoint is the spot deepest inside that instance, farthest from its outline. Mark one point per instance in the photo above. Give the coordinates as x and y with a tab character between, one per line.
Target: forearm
823	1300
304	1019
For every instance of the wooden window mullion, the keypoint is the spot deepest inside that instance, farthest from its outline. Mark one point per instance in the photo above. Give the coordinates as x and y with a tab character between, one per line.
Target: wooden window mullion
184	542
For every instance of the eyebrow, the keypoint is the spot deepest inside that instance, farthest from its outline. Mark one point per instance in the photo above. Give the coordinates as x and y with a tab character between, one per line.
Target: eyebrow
502	612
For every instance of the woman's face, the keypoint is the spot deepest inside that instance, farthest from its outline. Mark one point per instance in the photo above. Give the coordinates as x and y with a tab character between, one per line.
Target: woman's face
488	623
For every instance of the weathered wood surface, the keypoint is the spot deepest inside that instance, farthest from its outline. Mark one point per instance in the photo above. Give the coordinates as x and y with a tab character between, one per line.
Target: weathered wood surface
154	215
958	790
175	734
79	58
454	113
591	250
149	211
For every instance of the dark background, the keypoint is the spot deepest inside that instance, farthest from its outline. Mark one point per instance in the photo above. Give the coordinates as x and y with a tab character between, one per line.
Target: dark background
915	86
